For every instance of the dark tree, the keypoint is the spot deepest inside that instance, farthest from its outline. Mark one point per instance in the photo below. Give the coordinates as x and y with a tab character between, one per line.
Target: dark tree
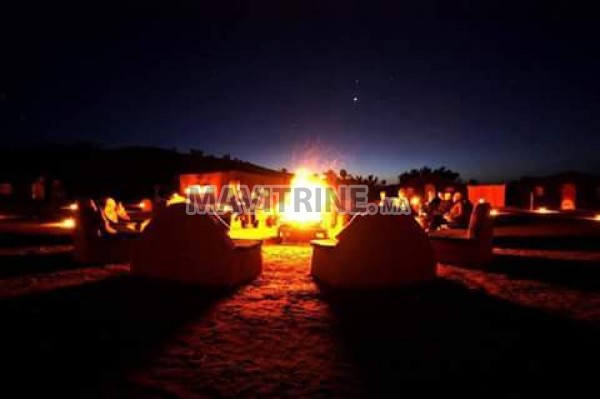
440	177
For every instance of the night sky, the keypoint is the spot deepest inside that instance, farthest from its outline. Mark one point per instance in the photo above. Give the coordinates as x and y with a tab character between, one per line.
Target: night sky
493	98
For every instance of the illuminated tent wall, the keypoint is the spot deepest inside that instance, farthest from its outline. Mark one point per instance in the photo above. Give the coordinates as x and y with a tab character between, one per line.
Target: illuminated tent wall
222	178
494	194
568	197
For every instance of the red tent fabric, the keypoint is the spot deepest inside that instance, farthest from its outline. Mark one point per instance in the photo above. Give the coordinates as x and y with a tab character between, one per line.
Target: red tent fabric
494	194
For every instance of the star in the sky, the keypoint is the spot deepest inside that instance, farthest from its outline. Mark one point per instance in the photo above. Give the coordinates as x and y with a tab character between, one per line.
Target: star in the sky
355	99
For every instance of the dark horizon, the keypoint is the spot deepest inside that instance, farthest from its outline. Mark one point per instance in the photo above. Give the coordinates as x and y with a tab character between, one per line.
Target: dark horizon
44	165
493	99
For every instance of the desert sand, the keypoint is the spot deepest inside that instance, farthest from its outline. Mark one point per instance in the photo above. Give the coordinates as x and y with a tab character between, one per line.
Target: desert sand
98	331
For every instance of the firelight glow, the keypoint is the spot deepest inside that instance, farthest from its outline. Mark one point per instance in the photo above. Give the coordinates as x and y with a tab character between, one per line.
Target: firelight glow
73	207
67	223
415	201
298	213
544	210
176	198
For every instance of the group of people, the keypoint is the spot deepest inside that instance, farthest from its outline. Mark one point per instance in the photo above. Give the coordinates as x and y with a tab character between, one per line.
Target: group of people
44	204
446	210
117	220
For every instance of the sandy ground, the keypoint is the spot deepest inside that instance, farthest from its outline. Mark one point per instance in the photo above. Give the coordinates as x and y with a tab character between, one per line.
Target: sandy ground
97	331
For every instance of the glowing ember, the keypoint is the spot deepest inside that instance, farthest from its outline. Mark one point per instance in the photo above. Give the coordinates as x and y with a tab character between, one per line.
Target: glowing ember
494	212
597	217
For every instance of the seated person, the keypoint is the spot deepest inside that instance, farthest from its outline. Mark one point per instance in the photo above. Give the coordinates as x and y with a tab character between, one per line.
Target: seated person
426	210
116	219
121	212
459	214
432	202
444	204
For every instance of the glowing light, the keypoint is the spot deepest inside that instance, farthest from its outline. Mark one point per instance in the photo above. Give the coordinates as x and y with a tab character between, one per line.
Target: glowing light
545	211
175	199
300	213
73	207
68	223
142	205
415	201
482	200
494	212
381	198
597	217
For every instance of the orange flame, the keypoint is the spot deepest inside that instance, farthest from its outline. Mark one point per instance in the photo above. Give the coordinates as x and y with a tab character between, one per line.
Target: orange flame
299	213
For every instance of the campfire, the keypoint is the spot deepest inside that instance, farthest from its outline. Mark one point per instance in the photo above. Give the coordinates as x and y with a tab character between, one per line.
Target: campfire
301	214
299	221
